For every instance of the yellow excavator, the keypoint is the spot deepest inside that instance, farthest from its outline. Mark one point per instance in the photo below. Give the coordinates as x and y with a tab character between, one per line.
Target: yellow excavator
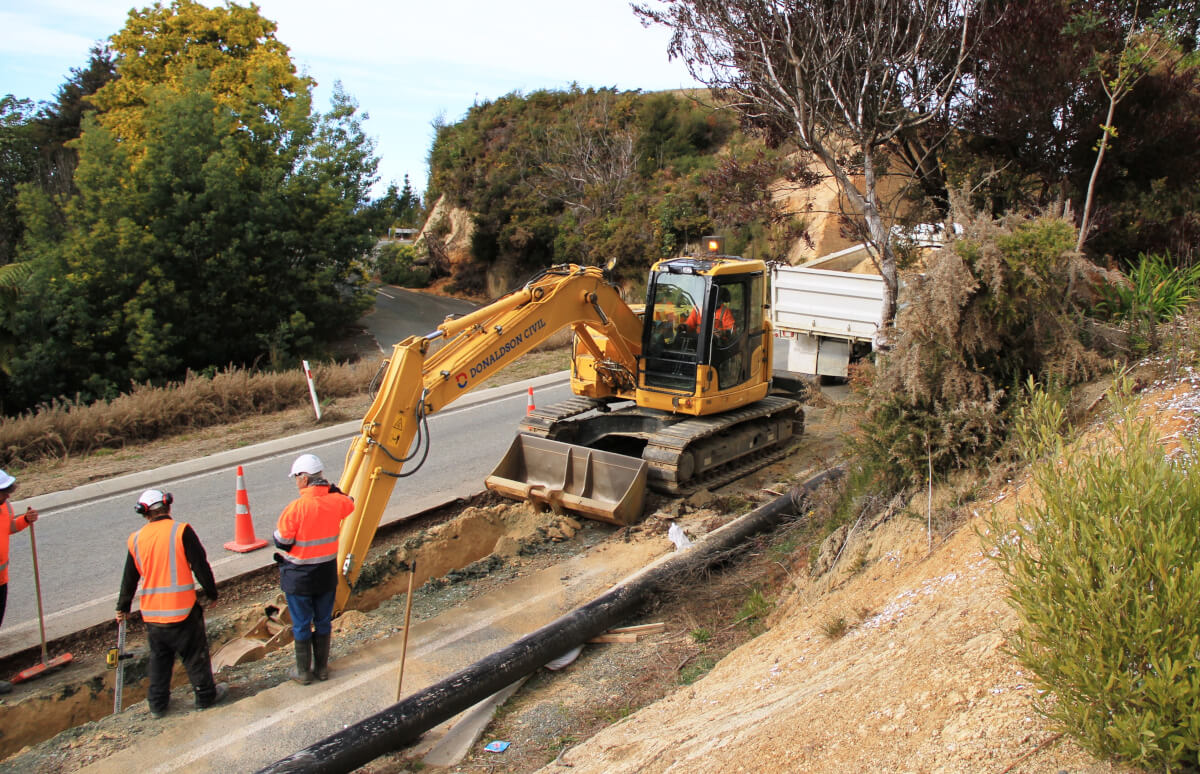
674	397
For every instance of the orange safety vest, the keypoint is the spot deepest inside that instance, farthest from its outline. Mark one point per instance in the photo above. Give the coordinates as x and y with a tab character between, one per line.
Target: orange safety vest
722	319
168	592
8	525
312	523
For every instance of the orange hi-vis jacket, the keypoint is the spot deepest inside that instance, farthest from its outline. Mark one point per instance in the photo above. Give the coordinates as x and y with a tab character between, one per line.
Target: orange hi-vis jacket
8	525
311	523
168	592
722	319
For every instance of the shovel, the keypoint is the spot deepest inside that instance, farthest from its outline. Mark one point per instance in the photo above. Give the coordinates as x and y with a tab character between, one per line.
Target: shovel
37	670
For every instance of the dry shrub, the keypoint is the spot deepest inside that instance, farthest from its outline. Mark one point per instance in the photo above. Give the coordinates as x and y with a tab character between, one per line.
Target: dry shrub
148	412
995	306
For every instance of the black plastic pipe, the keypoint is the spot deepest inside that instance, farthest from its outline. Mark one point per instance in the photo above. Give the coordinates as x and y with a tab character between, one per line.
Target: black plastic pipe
405	721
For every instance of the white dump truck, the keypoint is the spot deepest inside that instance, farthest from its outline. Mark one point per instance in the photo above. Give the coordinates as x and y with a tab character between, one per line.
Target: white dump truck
828	310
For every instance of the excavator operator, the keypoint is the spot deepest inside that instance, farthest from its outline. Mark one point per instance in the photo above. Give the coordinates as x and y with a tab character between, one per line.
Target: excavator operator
722	317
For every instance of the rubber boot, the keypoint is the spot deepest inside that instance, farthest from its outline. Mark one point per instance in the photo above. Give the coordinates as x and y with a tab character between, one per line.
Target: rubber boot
303	671
220	691
320	646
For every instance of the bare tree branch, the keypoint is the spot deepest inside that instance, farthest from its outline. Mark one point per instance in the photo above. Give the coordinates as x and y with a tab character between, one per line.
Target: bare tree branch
839	78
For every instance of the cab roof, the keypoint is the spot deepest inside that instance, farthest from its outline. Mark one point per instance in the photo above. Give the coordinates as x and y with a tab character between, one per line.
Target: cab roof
711	265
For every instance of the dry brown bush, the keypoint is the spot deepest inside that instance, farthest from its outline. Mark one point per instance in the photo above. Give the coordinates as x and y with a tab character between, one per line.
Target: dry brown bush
1001	303
147	412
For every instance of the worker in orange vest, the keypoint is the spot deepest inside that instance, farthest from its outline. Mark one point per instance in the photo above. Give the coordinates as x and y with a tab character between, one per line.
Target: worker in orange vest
307	532
8	525
722	317
163	556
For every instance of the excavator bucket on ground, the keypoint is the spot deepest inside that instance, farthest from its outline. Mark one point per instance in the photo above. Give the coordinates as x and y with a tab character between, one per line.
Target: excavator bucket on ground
597	484
271	632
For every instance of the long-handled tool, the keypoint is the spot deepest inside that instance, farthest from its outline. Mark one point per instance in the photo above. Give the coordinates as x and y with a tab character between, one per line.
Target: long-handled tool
116	660
37	670
412	572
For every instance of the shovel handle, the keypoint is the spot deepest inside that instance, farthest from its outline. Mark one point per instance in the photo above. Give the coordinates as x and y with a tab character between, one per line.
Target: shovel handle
37	584
412	572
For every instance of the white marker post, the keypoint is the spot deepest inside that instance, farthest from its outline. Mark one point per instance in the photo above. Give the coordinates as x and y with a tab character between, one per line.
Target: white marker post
312	389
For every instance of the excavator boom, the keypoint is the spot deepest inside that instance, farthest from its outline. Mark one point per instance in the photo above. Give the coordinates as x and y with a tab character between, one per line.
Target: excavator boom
418	381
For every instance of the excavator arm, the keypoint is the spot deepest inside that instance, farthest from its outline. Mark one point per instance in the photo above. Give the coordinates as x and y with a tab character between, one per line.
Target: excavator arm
419	381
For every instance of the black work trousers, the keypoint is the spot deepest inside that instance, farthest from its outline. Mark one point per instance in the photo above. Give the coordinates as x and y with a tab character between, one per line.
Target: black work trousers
188	640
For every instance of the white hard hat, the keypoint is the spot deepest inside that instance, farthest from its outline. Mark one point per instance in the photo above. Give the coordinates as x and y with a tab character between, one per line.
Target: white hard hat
152	499
6	480
307	464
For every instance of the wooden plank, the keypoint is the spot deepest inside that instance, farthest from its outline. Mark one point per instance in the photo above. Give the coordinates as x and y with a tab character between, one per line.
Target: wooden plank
629	633
650	628
614	638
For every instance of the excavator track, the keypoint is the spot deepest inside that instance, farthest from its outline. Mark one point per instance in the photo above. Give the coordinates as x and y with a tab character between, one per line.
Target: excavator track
699	452
685	454
542	421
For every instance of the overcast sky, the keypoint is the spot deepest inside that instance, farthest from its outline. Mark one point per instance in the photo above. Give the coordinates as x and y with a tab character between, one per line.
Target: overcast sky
406	63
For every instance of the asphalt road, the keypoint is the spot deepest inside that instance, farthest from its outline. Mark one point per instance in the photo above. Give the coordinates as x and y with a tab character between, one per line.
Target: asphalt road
401	313
81	534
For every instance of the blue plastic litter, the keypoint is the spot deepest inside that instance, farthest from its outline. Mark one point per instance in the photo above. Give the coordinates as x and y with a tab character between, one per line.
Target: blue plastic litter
496	746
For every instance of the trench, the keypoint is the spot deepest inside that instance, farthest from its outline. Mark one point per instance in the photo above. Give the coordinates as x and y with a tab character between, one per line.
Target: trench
461	546
405	721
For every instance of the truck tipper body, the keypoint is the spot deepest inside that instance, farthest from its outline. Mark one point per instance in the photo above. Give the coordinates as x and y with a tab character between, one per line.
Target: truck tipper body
829	310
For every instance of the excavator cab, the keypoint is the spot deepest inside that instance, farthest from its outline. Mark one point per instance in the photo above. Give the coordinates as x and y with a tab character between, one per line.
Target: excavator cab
702	327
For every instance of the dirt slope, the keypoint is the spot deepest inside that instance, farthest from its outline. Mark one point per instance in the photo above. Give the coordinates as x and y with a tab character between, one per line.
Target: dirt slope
919	682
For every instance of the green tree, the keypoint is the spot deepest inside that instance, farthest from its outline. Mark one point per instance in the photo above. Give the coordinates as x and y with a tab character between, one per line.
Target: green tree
251	73
1119	72
33	145
1030	129
18	164
207	236
397	207
328	196
60	122
408	206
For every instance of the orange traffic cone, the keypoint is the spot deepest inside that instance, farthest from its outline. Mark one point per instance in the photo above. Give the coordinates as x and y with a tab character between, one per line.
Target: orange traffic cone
243	529
529	407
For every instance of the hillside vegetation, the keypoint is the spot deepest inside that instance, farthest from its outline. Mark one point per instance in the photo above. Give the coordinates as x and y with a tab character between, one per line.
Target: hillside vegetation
896	653
586	176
